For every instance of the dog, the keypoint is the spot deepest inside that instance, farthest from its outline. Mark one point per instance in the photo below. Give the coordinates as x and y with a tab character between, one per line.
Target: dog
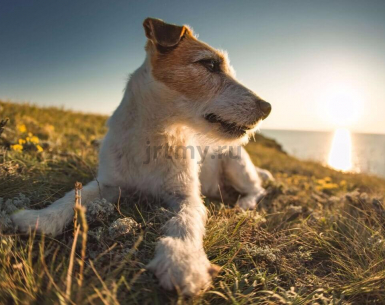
184	96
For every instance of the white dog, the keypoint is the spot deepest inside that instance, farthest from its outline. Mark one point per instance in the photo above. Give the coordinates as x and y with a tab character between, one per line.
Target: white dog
163	139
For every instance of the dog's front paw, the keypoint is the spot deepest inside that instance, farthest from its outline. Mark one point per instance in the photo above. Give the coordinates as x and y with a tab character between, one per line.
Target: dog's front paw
39	220
249	202
183	266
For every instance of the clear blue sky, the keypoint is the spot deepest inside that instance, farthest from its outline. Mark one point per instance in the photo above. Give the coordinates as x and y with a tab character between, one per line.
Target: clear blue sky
299	55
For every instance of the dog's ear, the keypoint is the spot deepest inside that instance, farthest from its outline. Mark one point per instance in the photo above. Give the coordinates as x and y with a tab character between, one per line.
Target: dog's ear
163	34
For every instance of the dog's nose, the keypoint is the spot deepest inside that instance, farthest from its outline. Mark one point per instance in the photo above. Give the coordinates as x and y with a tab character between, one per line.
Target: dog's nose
265	108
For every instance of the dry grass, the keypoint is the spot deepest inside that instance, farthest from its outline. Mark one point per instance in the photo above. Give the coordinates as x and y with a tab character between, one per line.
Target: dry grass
318	237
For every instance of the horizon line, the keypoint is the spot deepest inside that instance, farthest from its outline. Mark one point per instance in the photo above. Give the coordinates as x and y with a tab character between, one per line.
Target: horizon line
66	108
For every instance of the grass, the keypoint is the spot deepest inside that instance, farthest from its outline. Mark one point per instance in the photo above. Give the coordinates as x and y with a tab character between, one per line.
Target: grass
317	238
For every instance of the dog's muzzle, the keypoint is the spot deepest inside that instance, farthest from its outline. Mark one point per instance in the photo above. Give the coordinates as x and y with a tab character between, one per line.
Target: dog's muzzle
240	130
230	128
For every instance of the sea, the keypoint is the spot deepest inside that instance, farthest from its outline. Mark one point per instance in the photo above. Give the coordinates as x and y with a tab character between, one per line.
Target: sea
340	149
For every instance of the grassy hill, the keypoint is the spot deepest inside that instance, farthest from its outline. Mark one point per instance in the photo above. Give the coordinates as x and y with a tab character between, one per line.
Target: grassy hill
318	236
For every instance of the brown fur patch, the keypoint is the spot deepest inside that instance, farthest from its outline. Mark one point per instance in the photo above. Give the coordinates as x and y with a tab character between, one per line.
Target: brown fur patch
179	70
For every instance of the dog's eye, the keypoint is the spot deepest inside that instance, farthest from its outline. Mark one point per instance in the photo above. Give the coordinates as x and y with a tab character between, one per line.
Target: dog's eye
211	64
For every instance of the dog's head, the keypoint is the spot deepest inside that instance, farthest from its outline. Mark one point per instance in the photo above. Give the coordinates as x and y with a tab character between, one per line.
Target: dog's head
210	99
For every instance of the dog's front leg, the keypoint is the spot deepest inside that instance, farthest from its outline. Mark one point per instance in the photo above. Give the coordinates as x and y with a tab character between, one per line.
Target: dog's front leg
180	261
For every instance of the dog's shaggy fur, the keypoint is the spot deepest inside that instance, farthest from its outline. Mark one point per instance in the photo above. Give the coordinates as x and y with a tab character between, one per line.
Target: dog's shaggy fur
184	98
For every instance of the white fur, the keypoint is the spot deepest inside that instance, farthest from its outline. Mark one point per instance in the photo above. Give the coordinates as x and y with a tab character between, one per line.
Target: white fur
149	115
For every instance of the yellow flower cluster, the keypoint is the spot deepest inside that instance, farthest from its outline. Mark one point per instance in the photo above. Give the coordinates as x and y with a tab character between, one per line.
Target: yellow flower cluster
326	184
17	147
29	141
21	128
32	139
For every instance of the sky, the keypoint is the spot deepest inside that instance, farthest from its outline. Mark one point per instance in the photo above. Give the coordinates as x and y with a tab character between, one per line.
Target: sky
321	64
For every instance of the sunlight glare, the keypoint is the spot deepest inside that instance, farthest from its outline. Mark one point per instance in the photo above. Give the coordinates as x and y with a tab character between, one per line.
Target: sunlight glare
342	105
340	156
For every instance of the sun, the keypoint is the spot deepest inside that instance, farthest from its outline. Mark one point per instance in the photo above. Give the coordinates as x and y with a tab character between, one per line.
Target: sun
342	105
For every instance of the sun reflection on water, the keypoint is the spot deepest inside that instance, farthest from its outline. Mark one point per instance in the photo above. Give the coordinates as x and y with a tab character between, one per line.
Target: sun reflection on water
340	156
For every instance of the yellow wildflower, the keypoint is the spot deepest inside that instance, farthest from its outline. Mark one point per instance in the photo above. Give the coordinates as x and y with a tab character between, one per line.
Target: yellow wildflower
21	141
39	148
21	128
34	140
330	186
17	147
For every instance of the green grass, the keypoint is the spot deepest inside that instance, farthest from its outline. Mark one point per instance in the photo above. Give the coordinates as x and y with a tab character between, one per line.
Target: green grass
317	238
